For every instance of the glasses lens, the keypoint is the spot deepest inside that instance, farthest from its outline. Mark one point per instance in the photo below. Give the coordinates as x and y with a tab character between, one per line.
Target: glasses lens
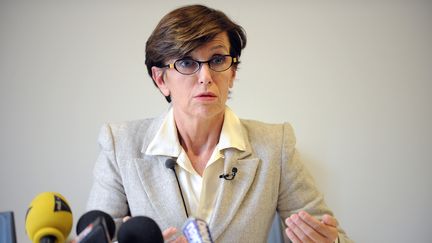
220	63
186	66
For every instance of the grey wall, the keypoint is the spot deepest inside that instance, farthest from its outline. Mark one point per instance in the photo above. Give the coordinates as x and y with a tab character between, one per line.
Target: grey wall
353	78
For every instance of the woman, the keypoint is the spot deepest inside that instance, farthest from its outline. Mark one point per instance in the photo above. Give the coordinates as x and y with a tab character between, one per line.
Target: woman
235	174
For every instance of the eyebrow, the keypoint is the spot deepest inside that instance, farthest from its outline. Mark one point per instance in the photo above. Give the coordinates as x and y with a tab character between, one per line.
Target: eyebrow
219	47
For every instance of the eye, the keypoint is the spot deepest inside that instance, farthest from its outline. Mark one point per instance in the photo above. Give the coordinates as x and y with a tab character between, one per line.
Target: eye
186	63
218	60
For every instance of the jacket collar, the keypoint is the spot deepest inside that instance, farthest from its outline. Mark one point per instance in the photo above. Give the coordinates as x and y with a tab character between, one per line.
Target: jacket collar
162	189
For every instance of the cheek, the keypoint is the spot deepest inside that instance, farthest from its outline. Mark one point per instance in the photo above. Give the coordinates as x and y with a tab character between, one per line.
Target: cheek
228	83
180	89
225	90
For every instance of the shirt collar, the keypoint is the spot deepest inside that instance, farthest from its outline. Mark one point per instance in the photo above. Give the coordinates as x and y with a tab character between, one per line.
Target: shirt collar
231	133
166	140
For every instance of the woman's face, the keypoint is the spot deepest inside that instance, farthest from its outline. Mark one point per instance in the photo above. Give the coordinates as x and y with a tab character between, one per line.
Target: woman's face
204	93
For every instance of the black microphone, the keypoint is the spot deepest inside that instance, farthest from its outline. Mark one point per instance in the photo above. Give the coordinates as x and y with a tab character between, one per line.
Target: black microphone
229	176
96	227
140	229
170	164
7	228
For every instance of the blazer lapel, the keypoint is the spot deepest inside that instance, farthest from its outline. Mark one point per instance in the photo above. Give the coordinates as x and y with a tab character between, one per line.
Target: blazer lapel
232	192
162	189
159	182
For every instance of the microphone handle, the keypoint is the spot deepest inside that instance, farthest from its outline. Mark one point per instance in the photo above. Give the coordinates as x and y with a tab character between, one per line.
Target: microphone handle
48	239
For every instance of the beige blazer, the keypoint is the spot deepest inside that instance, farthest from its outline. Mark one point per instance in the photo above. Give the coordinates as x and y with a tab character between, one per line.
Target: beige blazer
270	178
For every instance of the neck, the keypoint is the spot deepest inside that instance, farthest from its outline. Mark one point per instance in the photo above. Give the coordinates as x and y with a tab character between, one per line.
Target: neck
196	134
199	136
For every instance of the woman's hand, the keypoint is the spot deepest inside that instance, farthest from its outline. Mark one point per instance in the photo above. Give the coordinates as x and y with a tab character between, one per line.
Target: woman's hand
169	233
302	227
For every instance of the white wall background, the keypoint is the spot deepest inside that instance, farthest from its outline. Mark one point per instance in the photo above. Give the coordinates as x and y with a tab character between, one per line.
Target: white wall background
353	77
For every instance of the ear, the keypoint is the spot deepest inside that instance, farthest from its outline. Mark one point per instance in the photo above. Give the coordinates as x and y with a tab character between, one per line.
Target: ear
158	77
233	73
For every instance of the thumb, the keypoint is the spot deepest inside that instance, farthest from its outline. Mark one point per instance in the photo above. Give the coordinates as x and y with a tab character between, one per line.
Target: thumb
329	220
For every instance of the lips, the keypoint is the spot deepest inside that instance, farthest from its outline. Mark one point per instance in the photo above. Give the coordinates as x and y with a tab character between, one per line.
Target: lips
205	95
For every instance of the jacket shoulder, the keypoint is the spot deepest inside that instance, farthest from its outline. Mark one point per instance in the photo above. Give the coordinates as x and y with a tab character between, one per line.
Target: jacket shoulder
127	138
268	131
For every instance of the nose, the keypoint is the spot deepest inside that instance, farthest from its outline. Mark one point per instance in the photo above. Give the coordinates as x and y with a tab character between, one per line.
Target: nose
205	74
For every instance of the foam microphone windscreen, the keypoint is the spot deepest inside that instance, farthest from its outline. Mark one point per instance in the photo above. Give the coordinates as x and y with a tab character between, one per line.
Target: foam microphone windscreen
48	217
140	229
89	217
7	228
170	163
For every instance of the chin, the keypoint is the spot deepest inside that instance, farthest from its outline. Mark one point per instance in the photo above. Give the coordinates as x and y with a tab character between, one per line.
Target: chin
209	112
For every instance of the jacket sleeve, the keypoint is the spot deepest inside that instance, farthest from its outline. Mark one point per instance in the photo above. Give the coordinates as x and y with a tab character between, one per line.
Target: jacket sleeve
107	193
297	187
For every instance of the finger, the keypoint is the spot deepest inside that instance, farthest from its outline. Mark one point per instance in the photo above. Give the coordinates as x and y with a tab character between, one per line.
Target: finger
330	232
292	236
181	239
308	230
329	220
318	226
126	218
169	233
296	229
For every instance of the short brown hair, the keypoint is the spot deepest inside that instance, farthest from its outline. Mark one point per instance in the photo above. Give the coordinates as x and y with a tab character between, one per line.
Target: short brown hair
185	29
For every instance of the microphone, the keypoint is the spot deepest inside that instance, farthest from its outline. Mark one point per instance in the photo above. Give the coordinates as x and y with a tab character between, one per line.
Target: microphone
197	231
170	164
7	228
48	218
96	227
229	176
140	229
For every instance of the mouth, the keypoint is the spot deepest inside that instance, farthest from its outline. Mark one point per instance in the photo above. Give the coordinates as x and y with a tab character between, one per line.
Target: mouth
205	95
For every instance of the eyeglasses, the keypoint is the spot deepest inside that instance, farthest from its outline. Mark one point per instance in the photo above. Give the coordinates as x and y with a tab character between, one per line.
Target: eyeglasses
188	66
